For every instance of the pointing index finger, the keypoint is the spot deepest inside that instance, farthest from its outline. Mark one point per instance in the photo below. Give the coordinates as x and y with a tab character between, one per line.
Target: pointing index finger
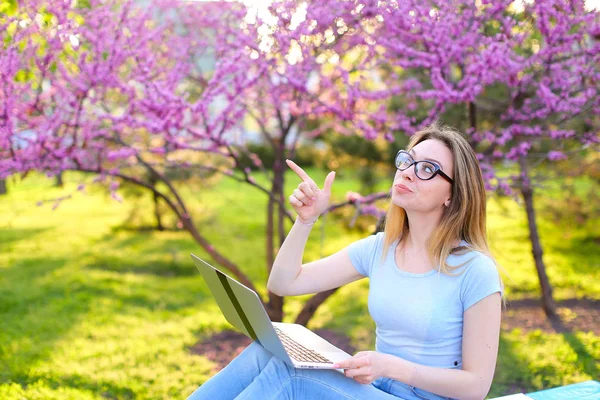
303	175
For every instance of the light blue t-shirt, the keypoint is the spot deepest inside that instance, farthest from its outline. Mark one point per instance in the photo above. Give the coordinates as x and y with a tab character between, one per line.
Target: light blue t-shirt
419	317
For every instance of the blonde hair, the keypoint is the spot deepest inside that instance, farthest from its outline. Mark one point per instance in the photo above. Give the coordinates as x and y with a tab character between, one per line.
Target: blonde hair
464	218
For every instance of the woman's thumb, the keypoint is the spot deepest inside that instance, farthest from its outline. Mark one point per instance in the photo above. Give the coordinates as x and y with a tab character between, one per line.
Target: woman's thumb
329	181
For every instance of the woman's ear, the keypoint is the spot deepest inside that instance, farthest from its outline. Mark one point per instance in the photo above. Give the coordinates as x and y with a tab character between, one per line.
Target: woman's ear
447	203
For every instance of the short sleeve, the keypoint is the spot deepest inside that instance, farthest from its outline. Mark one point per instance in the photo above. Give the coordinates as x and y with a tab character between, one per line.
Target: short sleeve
363	253
481	280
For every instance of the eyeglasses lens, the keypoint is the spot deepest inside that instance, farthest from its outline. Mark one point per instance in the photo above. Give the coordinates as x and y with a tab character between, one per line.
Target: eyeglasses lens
403	161
423	169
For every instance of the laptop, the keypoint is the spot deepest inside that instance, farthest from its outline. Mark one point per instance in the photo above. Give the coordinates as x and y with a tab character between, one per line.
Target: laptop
292	343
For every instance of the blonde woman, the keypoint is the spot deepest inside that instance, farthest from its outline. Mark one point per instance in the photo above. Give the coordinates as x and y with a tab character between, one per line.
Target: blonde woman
435	292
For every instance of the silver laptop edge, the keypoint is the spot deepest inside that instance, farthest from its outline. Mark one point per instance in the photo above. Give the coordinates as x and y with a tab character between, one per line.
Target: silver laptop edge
243	308
254	322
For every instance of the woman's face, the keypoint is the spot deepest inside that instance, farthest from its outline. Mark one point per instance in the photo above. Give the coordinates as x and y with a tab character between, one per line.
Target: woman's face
414	194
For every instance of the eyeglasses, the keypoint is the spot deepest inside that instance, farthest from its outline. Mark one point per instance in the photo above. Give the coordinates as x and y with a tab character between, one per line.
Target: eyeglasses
425	170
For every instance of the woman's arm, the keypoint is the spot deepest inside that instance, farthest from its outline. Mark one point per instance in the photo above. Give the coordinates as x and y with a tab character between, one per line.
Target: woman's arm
481	334
288	276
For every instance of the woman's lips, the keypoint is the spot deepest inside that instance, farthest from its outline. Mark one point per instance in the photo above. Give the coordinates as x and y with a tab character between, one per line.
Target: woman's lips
402	189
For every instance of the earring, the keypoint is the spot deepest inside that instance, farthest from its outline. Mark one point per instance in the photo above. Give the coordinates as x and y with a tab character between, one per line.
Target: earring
447	203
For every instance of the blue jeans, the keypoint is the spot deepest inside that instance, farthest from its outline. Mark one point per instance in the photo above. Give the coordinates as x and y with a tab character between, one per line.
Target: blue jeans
257	374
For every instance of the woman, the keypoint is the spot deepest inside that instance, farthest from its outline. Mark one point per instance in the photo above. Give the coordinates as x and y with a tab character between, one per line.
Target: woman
435	293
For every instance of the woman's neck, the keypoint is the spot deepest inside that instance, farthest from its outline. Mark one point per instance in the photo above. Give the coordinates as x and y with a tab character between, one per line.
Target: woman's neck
420	228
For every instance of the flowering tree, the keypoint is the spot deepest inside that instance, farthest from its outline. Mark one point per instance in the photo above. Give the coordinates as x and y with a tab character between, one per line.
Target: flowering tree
554	102
110	91
118	92
122	94
313	69
527	79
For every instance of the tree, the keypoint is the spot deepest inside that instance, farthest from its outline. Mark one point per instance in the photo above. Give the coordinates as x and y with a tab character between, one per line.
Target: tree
311	65
124	93
103	90
556	90
527	80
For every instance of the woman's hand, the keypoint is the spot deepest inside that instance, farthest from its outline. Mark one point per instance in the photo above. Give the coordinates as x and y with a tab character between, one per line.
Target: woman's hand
365	366
307	199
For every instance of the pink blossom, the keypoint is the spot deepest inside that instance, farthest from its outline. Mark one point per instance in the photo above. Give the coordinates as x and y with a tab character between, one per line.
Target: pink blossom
158	150
556	155
354	196
144	93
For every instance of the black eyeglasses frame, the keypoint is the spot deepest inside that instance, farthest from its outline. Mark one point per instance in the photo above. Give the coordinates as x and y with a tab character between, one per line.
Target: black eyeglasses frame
438	169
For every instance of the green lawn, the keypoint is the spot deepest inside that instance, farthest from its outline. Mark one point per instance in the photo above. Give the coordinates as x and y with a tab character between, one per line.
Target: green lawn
92	310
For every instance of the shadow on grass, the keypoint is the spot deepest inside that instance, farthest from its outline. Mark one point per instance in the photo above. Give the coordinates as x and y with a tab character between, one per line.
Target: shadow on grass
512	374
522	367
585	360
175	268
41	302
107	390
13	235
582	253
164	257
37	311
142	229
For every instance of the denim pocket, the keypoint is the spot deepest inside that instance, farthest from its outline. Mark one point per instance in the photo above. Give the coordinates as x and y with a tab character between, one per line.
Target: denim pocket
425	395
401	390
404	391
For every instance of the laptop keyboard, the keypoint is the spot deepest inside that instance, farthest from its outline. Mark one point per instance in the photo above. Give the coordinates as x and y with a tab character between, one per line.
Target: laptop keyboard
299	352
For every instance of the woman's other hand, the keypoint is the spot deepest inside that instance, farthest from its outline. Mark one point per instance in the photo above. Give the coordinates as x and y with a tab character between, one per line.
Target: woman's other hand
365	367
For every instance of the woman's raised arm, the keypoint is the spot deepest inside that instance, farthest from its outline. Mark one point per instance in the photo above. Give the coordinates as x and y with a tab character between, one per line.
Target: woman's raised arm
288	276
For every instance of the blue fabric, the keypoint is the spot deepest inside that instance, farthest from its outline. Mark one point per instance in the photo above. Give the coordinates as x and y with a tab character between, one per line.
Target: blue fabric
419	317
256	374
588	390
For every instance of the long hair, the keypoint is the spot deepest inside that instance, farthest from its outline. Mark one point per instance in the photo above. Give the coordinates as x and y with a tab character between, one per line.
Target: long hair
464	218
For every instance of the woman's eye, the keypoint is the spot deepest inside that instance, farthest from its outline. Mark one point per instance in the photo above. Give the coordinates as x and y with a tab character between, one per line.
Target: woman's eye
429	169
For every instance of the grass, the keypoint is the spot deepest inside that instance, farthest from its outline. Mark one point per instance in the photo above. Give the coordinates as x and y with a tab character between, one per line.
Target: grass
92	310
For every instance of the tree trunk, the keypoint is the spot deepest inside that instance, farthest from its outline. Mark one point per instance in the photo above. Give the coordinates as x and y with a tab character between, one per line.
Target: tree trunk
58	180
527	193
153	180
3	189
275	305
311	306
472	116
159	225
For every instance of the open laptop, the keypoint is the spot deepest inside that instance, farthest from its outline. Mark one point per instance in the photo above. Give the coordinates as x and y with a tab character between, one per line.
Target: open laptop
292	343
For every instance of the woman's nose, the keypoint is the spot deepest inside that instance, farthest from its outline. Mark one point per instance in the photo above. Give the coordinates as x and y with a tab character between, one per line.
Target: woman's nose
409	173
